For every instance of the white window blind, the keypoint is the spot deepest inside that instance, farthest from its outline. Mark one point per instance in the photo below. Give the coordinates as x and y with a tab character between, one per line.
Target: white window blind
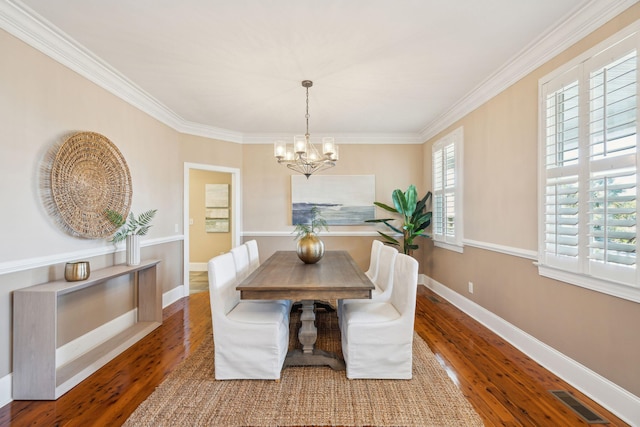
589	146
447	189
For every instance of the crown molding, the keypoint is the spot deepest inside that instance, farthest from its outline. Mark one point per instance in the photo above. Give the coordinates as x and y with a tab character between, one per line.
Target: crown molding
25	24
197	129
341	138
566	32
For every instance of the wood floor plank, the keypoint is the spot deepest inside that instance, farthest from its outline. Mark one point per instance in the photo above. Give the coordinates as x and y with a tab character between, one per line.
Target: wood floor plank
505	386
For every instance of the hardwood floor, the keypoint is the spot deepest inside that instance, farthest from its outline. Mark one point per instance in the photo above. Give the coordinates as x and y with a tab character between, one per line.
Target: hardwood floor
504	386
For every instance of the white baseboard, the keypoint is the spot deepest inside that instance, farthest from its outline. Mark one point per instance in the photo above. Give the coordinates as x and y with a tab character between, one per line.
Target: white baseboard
197	266
608	394
5	390
76	346
86	342
172	296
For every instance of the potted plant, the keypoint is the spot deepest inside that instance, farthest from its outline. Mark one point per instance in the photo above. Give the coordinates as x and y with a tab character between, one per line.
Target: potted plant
130	229
310	248
413	215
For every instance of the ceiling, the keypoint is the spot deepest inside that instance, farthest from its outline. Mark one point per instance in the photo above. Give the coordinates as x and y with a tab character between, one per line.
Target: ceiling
379	67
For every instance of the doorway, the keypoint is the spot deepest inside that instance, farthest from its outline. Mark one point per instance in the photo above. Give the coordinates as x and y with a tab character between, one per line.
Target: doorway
206	237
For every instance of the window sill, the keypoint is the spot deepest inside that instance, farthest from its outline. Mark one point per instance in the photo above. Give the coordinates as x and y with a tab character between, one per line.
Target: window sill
449	246
606	287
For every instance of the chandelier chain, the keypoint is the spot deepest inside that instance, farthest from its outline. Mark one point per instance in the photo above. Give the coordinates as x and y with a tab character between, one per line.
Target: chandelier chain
307	115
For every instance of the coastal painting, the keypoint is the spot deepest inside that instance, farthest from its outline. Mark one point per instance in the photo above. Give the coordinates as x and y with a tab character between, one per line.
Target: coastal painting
341	199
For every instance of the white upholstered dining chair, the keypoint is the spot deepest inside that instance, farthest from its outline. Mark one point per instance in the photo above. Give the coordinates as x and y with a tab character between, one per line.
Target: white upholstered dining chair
241	259
377	337
254	255
251	339
383	281
372	271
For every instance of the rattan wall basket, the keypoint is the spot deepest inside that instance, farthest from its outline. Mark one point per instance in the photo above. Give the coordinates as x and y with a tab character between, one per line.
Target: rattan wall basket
88	176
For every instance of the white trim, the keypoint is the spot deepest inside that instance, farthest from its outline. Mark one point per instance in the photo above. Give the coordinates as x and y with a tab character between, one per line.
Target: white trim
324	233
507	250
449	246
608	394
566	33
236	210
91	339
342	138
44	261
595	284
6	385
198	266
25	24
173	295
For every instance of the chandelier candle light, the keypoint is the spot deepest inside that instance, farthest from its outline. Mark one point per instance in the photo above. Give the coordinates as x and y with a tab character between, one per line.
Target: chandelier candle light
302	156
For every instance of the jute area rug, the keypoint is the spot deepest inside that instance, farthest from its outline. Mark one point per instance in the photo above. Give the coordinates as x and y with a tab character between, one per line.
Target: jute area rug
307	396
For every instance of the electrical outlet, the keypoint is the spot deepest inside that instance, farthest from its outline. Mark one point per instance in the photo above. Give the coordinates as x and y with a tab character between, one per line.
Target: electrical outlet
176	228
470	287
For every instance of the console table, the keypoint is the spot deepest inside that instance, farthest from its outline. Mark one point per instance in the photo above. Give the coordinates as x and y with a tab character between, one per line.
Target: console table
36	375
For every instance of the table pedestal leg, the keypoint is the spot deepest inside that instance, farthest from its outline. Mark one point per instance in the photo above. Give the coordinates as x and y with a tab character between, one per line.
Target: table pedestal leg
307	335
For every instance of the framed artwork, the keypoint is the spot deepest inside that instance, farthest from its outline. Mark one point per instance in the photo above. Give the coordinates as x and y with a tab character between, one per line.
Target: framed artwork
216	195
341	199
216	213
216	225
216	208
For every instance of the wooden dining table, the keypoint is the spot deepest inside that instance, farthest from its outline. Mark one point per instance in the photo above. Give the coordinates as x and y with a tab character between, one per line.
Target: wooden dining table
284	276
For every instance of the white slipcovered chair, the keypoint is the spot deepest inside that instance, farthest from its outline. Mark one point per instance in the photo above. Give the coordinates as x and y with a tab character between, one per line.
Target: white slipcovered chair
377	337
254	255
241	259
251	339
383	281
372	272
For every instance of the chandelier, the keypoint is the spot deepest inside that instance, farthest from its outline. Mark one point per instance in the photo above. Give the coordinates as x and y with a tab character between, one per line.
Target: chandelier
302	156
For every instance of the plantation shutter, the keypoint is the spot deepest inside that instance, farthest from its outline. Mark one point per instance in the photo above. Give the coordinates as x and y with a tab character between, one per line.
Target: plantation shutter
445	154
561	193
612	169
589	148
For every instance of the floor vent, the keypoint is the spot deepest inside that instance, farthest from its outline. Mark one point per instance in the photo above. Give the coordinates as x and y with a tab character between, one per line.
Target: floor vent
578	407
433	299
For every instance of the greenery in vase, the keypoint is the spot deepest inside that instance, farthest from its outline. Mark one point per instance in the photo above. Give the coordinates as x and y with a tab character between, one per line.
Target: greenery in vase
317	224
414	216
130	225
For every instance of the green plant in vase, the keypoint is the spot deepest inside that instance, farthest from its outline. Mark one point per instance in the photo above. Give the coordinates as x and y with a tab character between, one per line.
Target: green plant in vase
130	225
414	218
130	228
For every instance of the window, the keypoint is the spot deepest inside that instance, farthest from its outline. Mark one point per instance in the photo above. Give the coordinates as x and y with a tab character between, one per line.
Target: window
447	191
588	144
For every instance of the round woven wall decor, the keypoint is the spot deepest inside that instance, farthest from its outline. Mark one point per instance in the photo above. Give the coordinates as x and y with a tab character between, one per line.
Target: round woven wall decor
89	176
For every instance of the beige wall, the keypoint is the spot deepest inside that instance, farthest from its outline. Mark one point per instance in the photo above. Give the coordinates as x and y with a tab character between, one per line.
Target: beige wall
42	102
267	193
500	208
202	245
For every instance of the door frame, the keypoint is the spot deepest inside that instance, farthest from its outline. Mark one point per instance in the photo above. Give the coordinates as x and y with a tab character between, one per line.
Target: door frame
236	210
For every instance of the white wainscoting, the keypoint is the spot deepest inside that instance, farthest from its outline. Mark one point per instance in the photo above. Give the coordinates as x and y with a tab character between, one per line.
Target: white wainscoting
608	394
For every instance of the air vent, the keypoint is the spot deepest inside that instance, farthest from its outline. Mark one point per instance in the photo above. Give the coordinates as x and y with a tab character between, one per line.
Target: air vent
578	407
433	299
